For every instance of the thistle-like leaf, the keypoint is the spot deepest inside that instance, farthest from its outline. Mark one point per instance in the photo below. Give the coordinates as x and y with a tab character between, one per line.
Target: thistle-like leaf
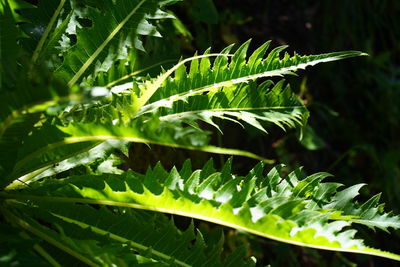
114	27
226	72
213	91
244	103
294	209
123	236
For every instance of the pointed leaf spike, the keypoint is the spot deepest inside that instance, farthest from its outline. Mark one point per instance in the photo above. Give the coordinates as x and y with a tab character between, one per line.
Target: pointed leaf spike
257	56
238	60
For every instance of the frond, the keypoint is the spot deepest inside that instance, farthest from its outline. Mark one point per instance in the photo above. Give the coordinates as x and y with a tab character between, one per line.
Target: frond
246	102
67	118
114	28
127	237
205	93
294	209
203	77
111	24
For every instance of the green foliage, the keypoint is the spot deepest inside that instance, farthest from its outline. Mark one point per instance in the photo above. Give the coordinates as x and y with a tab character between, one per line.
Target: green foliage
296	210
67	119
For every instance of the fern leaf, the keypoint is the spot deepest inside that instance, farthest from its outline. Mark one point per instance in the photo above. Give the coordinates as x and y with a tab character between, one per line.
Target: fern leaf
245	102
97	153
39	151
222	73
186	97
289	209
239	70
114	27
77	231
51	145
369	213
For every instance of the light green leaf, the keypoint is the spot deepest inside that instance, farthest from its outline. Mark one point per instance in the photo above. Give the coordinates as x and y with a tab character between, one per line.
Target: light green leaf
280	215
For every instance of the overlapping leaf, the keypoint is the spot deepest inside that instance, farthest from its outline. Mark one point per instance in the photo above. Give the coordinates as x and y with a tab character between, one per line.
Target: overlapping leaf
202	76
224	90
38	19
20	111
244	103
113	28
292	209
38	90
100	236
163	110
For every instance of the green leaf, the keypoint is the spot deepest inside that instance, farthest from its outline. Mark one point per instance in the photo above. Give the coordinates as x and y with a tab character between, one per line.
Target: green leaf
113	28
290	212
63	111
99	152
118	236
20	113
369	213
239	70
233	102
41	21
247	103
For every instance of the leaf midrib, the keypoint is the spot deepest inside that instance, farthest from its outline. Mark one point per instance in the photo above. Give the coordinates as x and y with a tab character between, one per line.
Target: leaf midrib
179	114
90	60
71	140
365	250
